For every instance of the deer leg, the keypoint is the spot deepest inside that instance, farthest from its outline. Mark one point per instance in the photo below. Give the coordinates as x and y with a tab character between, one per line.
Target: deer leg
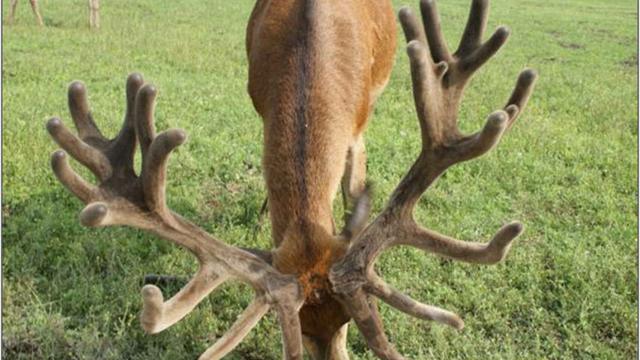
335	349
263	212
96	9
355	174
353	180
94	15
12	13
36	12
90	14
313	347
338	345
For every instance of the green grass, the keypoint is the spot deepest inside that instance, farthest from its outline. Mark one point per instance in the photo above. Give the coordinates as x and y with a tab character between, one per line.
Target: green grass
567	170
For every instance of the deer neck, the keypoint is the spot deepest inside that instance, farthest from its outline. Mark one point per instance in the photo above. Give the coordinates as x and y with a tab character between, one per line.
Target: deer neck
311	74
308	125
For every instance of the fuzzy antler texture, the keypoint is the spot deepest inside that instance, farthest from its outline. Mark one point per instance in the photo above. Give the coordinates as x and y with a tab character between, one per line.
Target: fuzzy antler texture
124	198
439	78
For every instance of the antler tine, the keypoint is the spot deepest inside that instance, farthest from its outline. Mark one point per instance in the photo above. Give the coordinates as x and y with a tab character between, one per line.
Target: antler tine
379	288
145	106
158	315
364	311
80	113
423	77
481	253
471	53
481	54
125	142
484	140
476	25
417	40
87	155
96	214
69	178
291	330
521	94
411	26
433	30
155	167
238	331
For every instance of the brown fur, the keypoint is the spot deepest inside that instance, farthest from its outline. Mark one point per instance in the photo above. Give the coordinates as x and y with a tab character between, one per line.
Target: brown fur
315	70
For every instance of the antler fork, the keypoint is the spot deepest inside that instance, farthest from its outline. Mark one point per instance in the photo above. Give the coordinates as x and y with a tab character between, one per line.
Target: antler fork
439	78
124	198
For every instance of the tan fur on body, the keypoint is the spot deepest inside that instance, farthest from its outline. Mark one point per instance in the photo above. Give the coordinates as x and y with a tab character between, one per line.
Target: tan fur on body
315	70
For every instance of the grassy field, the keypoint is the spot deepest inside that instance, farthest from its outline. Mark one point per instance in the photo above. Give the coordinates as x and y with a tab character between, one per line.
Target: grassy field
567	170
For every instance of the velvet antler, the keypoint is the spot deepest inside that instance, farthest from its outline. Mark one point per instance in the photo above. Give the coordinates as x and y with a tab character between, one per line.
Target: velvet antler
439	78
124	198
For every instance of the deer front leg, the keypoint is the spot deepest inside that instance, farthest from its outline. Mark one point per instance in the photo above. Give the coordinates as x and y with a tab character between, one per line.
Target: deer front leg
12	12
338	345
36	12
335	349
94	13
355	173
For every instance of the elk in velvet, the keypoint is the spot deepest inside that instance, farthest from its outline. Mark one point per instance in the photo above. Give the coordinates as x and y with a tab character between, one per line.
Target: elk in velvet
315	71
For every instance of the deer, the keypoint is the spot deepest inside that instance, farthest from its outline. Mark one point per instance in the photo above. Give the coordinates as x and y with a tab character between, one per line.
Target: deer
316	69
94	12
34	8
